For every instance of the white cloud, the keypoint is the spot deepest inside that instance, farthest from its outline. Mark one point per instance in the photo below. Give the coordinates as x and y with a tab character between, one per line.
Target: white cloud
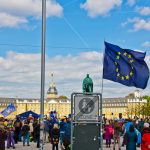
138	24
146	44
100	7
20	74
143	10
131	2
7	20
24	9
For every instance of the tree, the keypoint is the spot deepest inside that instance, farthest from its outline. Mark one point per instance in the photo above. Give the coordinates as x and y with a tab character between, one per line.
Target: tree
146	107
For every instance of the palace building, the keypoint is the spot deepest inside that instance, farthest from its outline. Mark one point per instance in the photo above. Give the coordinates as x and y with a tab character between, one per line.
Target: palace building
112	107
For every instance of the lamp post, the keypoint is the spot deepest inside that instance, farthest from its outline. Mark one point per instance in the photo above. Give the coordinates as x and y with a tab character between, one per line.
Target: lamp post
42	73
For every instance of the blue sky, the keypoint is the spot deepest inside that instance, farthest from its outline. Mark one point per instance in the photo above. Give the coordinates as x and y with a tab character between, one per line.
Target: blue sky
74	28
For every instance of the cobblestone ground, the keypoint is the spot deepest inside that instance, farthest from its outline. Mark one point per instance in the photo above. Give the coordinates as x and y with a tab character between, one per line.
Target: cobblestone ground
48	146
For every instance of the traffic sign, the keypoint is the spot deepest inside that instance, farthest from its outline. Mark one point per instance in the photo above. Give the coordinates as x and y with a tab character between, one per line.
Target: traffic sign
86	107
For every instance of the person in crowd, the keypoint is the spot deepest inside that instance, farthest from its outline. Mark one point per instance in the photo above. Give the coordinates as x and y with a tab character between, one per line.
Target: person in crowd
30	117
138	137
66	144
25	133
37	133
63	126
10	137
51	124
116	136
35	122
2	138
46	129
140	125
17	125
5	122
68	128
55	137
145	137
31	130
127	125
131	138
108	132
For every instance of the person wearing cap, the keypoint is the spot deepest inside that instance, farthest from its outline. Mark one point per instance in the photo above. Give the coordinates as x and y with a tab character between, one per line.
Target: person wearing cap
145	137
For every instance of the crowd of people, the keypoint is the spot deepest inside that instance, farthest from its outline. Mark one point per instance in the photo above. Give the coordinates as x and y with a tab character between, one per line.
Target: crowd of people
26	131
135	132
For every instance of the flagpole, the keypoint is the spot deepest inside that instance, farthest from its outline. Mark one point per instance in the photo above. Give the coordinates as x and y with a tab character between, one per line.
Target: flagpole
42	73
102	86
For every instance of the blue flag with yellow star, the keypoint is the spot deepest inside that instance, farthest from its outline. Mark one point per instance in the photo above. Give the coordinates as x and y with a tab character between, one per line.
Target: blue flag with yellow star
125	66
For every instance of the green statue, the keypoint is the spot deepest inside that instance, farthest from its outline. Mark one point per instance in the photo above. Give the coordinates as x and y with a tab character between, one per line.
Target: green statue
87	85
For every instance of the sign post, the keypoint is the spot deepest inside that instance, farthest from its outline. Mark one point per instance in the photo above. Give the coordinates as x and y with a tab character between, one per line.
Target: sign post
86	110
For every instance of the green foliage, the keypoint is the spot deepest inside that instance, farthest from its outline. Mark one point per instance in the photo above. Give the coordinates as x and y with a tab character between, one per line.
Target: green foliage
140	108
146	107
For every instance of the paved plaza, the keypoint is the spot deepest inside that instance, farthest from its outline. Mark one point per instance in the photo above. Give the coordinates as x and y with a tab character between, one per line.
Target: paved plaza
48	146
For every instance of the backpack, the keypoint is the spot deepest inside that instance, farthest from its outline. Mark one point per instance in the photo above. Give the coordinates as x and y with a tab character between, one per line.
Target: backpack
111	131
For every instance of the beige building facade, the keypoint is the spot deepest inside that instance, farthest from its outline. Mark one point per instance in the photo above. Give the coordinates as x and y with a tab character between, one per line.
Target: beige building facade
112	107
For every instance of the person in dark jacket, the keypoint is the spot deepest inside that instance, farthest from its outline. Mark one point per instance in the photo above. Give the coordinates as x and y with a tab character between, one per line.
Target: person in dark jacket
37	133
25	133
2	139
131	138
55	136
17	125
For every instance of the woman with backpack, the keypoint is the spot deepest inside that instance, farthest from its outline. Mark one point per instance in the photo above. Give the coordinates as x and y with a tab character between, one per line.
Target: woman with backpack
108	132
55	136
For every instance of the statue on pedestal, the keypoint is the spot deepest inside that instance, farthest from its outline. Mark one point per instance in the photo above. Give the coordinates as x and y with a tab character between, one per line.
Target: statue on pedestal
87	85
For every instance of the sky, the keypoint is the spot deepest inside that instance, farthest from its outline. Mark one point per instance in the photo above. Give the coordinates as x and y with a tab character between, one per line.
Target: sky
75	35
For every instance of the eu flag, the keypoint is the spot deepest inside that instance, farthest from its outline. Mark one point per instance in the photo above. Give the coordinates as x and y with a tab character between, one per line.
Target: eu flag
125	66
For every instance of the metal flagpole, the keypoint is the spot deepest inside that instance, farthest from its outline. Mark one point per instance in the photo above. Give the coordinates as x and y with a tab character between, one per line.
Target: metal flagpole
42	74
102	84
